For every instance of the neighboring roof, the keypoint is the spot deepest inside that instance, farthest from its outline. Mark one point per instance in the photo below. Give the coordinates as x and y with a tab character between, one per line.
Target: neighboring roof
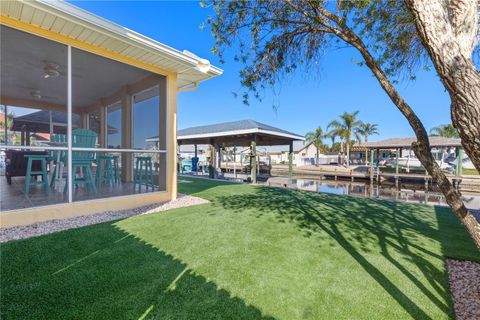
41	136
39	122
304	147
91	31
234	128
407	143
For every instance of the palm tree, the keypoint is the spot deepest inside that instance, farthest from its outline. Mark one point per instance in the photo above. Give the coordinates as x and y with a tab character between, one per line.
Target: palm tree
316	137
337	130
5	123
365	130
333	136
445	130
347	124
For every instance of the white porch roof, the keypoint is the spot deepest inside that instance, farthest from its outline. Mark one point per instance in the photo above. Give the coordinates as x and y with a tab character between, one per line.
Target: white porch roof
70	21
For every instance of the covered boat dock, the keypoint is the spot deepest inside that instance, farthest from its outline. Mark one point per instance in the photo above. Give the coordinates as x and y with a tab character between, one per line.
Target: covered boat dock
401	144
243	133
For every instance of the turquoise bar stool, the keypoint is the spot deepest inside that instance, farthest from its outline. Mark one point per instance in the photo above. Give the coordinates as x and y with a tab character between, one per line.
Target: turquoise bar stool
99	170
107	170
116	169
43	172
143	174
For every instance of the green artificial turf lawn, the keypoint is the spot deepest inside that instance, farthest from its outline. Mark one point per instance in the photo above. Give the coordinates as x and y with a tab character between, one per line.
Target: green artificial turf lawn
251	253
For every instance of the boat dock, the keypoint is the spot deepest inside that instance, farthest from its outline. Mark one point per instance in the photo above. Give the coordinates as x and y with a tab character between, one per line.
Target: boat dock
464	182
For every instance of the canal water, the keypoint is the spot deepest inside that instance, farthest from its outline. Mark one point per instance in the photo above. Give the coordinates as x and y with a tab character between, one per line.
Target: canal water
406	193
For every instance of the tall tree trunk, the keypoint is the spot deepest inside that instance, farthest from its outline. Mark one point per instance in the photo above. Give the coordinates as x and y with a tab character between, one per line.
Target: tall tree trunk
348	153
422	146
450	40
318	156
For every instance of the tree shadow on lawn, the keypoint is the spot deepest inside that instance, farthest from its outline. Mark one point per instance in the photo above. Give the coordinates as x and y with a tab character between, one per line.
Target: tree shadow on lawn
101	272
361	226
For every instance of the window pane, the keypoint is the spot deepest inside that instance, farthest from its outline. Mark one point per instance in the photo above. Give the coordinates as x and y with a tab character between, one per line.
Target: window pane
146	119
114	124
34	108
118	104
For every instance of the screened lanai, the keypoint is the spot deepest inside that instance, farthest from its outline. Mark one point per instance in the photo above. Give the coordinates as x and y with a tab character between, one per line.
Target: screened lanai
119	104
79	98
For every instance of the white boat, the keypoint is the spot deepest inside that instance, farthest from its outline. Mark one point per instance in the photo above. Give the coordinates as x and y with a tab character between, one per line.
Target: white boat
413	163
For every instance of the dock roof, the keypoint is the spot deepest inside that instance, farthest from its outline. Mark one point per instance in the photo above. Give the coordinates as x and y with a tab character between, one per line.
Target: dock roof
237	133
393	143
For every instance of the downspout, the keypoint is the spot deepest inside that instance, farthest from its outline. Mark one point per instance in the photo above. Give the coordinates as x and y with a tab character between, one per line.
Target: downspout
195	87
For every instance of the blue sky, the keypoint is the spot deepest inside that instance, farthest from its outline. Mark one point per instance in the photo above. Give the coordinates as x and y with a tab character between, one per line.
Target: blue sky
305	100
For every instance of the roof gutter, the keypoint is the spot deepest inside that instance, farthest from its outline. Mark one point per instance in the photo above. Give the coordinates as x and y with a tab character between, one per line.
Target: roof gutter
114	30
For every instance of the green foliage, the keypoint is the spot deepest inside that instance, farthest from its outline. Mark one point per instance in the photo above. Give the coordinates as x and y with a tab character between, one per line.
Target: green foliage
344	127
336	147
275	38
316	137
365	130
389	30
445	130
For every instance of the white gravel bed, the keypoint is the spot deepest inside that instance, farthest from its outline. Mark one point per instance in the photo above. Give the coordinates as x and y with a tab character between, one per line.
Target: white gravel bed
464	278
46	227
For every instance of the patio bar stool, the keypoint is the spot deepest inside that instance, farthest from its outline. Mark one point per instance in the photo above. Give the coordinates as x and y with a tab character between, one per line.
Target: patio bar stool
116	169
143	173
42	172
107	170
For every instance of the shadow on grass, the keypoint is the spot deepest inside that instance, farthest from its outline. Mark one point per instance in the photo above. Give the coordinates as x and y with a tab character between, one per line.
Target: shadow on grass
100	272
360	226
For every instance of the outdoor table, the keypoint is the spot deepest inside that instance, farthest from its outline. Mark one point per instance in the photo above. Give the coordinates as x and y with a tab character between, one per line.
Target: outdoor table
59	173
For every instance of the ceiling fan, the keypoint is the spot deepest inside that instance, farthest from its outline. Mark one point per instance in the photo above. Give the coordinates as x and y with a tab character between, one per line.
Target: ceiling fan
50	70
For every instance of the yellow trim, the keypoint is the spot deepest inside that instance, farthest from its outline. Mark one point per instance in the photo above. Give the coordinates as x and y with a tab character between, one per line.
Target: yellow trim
28	216
23	26
172	136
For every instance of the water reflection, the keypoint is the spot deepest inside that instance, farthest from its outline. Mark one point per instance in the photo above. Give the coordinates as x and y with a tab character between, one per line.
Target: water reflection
409	193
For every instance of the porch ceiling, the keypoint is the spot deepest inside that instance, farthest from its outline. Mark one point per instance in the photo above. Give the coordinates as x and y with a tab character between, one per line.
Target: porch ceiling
73	23
23	64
